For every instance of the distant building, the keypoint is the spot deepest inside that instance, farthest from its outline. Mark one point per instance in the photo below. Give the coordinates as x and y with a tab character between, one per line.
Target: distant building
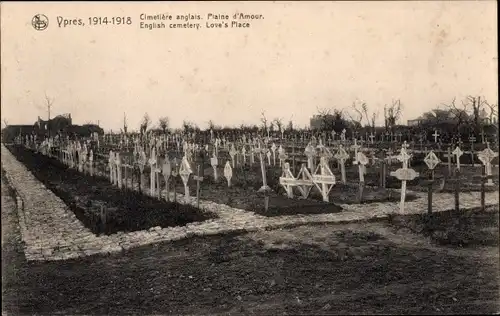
56	124
484	118
41	128
10	132
319	121
415	122
316	122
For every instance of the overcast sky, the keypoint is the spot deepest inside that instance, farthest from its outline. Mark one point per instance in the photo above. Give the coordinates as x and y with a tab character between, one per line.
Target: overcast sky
301	57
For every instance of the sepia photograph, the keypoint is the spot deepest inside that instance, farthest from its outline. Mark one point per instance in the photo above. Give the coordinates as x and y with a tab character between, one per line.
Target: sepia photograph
249	158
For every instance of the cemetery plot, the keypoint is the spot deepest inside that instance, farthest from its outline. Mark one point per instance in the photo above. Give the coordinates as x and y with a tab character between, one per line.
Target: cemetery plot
102	207
245	183
243	194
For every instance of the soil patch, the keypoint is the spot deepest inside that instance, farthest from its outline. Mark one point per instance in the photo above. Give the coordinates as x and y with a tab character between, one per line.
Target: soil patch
336	270
464	228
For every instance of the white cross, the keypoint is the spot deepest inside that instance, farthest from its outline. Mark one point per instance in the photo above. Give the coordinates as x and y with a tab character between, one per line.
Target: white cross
372	137
436	135
457	152
355	147
404	174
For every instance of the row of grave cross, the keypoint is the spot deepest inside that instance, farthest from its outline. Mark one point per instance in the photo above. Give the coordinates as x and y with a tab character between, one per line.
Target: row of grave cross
322	177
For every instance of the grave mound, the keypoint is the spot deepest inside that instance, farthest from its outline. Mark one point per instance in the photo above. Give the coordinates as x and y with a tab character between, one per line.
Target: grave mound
91	197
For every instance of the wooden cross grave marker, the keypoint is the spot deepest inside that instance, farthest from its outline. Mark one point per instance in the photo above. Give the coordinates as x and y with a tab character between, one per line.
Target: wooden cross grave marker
372	137
282	156
404	174
228	173
142	163
166	172
431	160
185	171
342	157
175	173
324	179
214	162
111	163
91	163
198	178
152	174
436	135
486	156
355	147
244	154
118	163
273	149
457	152
265	189
287	180
472	140
310	153
483	178
362	160
232	153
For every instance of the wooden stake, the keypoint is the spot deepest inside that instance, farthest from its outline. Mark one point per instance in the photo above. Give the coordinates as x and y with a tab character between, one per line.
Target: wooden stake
429	197
360	192
457	190
198	179
449	161
483	188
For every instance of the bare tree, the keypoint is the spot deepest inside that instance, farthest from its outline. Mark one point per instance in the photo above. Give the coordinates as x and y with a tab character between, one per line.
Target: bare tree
211	125
356	118
392	113
49	106
326	118
460	115
493	115
164	124
332	120
186	126
146	121
264	122
278	122
125	127
271	126
477	105
290	125
373	119
189	127
362	113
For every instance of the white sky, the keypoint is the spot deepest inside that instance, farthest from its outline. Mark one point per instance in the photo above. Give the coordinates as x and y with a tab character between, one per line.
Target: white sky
301	57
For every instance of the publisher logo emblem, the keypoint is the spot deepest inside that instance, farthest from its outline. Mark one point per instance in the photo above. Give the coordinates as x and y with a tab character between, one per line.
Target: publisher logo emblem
40	22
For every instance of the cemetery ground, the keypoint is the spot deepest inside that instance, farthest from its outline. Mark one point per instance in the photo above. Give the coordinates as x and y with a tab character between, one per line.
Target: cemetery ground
126	210
446	262
86	194
366	267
